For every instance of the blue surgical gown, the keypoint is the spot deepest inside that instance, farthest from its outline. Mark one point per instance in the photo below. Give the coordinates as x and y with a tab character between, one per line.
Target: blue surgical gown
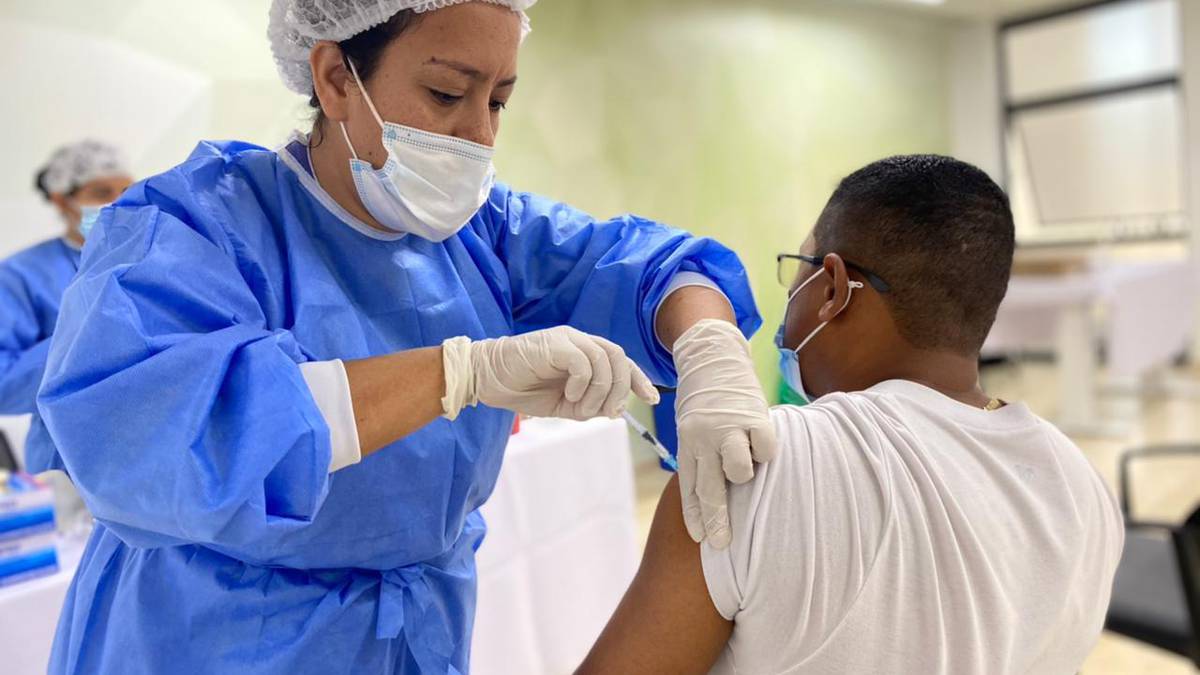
31	287
175	401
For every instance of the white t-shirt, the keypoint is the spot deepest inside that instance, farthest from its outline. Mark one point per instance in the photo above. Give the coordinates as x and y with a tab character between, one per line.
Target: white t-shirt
900	531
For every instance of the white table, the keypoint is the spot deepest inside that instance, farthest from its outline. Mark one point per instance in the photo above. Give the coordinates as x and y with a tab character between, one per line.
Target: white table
29	614
1061	309
1148	312
561	549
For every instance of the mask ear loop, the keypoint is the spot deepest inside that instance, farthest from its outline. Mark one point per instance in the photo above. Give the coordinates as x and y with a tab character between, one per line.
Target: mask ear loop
787	307
342	126
363	89
370	104
853	285
801	287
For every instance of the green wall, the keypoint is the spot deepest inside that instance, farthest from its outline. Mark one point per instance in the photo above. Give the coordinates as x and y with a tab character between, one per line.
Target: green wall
733	120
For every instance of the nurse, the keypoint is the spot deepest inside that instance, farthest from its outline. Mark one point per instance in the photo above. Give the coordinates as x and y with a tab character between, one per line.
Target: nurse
77	181
284	380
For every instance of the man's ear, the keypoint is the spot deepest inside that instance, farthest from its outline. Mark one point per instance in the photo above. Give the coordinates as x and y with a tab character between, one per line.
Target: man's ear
332	81
836	297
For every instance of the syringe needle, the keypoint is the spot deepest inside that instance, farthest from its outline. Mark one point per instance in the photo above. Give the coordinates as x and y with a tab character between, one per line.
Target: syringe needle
659	448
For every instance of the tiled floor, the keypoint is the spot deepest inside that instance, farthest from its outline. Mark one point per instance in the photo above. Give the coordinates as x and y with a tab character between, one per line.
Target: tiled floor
1169	412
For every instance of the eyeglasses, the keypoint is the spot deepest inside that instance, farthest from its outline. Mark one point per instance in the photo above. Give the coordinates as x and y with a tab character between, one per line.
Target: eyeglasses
788	267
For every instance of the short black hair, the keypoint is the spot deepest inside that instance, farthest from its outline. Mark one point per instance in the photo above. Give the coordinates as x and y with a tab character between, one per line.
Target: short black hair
39	182
940	232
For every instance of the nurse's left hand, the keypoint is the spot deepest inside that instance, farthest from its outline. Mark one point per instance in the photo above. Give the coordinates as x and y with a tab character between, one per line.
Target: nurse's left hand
557	372
724	424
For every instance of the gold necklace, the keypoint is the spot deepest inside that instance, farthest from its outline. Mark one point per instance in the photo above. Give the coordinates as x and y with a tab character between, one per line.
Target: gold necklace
994	405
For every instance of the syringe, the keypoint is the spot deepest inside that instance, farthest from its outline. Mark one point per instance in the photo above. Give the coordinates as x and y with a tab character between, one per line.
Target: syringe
663	453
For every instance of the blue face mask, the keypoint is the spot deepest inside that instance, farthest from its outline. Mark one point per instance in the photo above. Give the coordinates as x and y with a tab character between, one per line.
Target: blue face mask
88	217
789	359
789	366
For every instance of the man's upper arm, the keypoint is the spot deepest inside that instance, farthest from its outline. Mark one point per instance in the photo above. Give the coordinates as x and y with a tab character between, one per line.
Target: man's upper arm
806	532
667	622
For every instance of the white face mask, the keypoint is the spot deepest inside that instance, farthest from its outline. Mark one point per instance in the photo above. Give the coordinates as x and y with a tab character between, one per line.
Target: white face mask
431	185
789	359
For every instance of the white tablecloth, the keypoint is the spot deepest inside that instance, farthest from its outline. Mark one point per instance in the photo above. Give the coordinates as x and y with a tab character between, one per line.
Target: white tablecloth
1149	308
561	549
29	614
1149	311
1151	316
1028	316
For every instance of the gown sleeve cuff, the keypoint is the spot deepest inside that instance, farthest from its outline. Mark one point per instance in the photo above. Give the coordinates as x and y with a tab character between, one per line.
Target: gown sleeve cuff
330	388
683	280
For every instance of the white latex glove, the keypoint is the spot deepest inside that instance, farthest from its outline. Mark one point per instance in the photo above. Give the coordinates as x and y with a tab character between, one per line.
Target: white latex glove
724	424
557	372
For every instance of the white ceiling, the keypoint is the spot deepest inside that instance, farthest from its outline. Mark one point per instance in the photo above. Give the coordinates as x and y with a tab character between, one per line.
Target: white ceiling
980	8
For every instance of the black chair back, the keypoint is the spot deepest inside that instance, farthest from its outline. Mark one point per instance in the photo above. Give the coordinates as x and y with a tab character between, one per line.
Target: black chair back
1187	547
1156	595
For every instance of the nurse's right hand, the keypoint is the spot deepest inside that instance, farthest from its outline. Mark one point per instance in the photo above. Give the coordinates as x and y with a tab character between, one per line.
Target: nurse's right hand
557	372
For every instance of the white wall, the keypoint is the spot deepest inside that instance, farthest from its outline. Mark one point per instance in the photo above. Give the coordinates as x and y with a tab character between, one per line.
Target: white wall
1190	20
76	85
975	117
151	76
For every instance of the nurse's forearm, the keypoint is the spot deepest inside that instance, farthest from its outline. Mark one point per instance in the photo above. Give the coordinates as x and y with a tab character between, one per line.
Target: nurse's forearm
683	308
395	395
